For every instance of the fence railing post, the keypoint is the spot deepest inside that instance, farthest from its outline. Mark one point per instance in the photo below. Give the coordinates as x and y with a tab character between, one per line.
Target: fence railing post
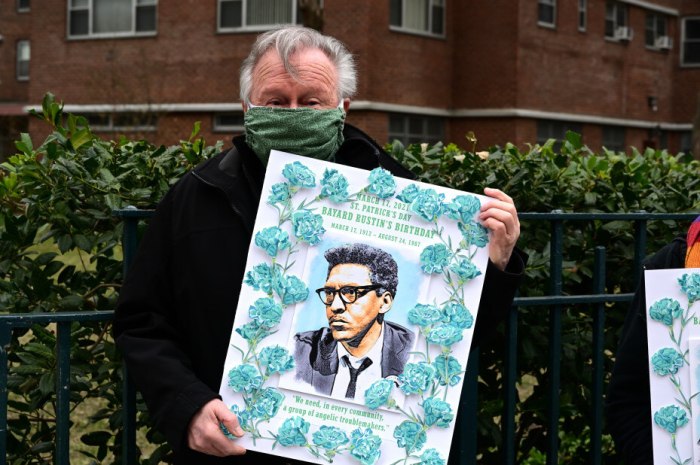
5	339
554	368
510	378
598	362
63	347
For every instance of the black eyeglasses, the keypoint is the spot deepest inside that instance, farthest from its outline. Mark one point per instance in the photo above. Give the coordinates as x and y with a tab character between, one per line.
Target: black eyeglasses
348	294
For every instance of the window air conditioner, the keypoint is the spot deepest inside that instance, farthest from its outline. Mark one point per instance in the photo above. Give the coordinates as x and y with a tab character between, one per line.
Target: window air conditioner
623	33
664	42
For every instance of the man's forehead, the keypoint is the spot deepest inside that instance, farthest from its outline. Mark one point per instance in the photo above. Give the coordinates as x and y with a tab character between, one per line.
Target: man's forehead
306	61
350	273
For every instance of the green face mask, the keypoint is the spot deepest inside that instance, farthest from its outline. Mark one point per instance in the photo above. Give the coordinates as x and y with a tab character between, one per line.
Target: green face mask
301	131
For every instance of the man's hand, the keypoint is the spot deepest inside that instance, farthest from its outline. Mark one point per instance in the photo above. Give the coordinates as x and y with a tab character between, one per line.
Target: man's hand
500	216
205	435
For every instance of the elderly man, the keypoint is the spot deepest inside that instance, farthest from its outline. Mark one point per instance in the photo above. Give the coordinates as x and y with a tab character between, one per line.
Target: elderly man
177	306
359	346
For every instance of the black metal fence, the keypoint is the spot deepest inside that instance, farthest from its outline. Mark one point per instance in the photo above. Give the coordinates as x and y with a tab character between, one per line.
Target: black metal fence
466	429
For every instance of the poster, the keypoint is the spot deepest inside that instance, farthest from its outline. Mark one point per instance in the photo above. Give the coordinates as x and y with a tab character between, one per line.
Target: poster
356	315
673	329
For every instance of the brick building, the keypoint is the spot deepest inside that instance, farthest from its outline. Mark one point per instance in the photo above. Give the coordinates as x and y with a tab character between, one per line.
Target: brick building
621	72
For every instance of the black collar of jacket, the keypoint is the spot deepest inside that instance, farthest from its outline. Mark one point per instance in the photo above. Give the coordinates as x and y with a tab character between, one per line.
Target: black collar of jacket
239	163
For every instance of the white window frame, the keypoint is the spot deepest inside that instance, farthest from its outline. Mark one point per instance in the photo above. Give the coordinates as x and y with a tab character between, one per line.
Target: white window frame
423	32
218	126
406	137
582	15
23	9
88	5
617	8
20	75
110	125
255	27
614	138
547	4
656	18
684	42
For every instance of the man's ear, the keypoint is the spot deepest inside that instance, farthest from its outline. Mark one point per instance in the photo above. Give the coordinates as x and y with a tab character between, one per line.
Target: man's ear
244	106
387	300
346	105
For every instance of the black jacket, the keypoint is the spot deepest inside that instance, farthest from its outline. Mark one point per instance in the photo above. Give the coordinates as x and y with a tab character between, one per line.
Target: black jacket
176	308
628	402
316	355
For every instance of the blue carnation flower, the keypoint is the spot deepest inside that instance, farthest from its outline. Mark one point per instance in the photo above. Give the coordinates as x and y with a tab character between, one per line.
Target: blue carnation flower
365	446
465	269
244	378
665	311
434	258
448	370
474	233
279	193
410	435
671	418
308	227
275	359
291	290
463	208
409	193
266	312
444	335
334	186
428	204
437	412
378	393
431	457
424	315
416	378
245	419
260	278
330	437
272	240
252	331
266	404
299	175
381	183
666	361
293	432
690	285
457	315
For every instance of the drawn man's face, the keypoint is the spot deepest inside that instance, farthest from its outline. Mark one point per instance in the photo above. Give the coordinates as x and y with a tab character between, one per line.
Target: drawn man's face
351	321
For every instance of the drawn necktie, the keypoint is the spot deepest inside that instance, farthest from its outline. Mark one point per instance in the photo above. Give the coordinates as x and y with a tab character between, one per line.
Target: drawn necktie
350	393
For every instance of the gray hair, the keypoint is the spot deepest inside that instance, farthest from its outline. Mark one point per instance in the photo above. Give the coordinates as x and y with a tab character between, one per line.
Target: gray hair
290	39
383	269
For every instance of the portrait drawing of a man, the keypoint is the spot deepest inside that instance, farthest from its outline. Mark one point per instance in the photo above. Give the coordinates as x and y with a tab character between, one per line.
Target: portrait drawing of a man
359	346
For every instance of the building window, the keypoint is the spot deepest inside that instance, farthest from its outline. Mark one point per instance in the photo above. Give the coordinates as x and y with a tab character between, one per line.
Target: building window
414	129
23	6
230	123
616	21
686	142
547	12
549	129
690	35
235	15
656	32
614	138
582	14
122	122
419	16
23	56
110	18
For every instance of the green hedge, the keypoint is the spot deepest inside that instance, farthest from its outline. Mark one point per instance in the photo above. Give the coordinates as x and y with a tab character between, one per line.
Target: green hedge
60	250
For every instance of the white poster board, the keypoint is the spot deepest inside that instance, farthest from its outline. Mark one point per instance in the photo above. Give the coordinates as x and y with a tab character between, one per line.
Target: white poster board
673	330
284	375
